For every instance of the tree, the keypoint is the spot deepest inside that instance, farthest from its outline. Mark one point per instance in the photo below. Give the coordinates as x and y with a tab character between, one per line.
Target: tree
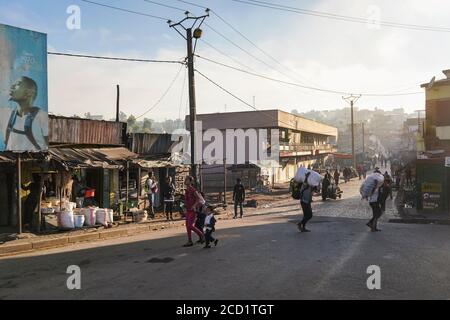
123	117
147	125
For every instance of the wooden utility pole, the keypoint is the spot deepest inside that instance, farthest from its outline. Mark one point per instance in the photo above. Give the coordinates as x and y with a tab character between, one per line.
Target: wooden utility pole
192	32
118	104
352	99
363	139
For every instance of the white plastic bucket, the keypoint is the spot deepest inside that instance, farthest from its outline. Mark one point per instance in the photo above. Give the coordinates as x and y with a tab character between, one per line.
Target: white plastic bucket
78	220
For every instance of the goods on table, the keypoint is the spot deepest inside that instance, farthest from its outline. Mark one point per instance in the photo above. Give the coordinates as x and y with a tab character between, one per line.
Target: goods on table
47	210
375	180
65	220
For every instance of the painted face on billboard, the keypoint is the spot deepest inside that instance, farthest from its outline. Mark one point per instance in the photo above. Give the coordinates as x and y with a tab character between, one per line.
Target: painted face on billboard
23	90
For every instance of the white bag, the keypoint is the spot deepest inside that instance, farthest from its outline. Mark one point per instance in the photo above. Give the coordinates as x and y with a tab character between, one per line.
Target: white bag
104	216
90	216
373	181
314	178
65	220
300	174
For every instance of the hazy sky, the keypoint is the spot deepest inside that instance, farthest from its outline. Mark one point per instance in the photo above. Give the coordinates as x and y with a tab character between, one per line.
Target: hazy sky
315	51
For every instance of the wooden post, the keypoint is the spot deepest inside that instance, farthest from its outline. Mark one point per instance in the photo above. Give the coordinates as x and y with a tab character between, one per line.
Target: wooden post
139	187
39	215
19	199
128	185
225	182
60	190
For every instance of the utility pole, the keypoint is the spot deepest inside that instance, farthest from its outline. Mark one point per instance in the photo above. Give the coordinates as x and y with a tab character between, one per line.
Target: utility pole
191	23
118	104
352	99
363	139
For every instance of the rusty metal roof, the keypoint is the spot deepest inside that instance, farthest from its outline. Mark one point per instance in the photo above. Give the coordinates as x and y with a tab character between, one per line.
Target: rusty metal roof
108	158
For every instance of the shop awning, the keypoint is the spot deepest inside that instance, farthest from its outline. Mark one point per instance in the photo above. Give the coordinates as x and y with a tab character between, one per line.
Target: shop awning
157	161
107	158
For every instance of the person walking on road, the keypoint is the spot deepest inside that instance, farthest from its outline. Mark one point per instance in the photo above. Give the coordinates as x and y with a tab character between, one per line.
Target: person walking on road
238	198
384	191
169	197
192	201
374	202
336	177
210	227
306	193
326	182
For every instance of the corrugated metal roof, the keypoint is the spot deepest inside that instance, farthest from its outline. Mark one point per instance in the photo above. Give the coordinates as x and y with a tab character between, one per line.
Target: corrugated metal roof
108	158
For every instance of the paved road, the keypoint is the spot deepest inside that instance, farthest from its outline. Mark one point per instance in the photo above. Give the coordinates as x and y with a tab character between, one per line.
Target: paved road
260	257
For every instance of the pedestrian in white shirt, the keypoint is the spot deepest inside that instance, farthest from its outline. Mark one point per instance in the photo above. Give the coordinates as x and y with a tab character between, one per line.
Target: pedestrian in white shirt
152	189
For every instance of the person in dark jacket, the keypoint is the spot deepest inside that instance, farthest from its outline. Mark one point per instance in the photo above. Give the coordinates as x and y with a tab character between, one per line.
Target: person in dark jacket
238	197
326	182
306	194
32	201
337	175
384	192
169	197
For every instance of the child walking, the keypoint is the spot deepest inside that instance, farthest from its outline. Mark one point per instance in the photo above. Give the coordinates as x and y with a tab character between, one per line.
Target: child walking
210	223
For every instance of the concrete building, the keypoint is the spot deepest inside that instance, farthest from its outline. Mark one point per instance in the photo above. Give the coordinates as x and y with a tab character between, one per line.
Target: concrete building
433	165
301	141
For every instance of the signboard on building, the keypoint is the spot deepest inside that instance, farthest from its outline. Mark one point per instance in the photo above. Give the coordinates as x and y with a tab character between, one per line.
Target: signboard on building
23	90
447	161
431	196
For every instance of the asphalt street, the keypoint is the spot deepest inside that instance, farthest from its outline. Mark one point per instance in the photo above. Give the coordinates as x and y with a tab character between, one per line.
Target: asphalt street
259	257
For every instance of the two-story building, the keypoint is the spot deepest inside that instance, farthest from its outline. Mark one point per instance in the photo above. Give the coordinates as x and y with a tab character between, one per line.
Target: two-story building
300	142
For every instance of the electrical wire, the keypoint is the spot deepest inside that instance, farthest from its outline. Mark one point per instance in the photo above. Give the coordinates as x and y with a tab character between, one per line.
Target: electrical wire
163	95
112	58
262	112
327	15
303	86
125	10
226	55
252	43
164	5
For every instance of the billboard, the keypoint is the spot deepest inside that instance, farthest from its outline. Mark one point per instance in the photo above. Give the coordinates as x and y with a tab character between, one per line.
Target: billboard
23	90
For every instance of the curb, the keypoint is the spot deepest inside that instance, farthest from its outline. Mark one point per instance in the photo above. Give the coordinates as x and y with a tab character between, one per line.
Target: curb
420	221
25	247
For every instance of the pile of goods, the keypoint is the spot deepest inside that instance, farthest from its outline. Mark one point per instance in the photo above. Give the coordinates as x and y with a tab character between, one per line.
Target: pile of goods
70	217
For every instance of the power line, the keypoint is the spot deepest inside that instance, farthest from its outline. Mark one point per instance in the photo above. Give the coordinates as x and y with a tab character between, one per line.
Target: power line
341	17
125	10
163	95
164	5
225	55
303	86
244	102
112	58
244	50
